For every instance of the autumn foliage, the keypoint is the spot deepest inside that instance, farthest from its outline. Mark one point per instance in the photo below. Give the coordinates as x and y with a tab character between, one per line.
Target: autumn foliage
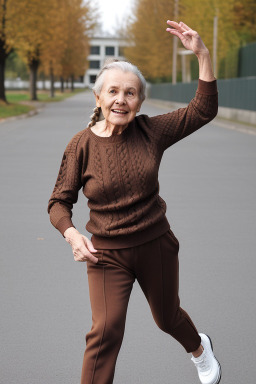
151	46
50	34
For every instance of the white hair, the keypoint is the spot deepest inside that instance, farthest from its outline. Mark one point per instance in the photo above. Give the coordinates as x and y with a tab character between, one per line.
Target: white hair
124	66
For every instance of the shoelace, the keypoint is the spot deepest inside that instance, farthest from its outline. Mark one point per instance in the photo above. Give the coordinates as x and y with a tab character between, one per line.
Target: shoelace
203	365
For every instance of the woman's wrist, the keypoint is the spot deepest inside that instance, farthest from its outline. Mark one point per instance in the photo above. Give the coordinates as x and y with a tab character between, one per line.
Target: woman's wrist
205	66
69	232
203	54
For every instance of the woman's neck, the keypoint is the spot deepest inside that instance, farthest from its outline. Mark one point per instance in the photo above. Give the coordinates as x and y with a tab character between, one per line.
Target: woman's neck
105	130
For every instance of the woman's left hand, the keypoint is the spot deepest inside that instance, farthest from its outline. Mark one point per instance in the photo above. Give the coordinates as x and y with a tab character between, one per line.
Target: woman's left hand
189	38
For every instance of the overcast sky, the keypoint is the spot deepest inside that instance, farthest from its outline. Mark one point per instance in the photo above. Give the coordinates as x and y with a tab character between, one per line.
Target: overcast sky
112	12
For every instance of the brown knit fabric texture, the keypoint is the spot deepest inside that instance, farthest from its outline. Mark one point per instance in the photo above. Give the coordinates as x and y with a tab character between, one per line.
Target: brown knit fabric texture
119	174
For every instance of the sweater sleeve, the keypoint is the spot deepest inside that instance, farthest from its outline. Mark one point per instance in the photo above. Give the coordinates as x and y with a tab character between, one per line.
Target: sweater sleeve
65	192
169	128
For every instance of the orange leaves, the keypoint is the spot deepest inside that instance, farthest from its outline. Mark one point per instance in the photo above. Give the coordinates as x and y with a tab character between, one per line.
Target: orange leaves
151	49
245	20
51	31
66	46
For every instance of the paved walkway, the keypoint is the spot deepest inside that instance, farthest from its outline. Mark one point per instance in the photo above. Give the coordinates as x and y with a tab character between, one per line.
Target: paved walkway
208	181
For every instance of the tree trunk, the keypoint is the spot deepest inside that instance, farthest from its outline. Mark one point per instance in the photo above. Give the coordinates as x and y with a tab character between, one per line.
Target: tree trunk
62	84
72	83
43	82
33	66
3	57
3	53
52	81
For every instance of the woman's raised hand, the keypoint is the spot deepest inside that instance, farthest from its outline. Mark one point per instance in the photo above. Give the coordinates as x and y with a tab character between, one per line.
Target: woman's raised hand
81	245
189	38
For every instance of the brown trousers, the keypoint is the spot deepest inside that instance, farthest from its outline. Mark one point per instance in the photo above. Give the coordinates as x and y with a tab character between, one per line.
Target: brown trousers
156	267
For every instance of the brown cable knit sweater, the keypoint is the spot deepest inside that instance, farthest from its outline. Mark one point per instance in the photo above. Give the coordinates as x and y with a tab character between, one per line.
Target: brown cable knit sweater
119	174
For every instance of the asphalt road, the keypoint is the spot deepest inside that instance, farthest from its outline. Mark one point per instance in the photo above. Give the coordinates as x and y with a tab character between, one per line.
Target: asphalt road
208	181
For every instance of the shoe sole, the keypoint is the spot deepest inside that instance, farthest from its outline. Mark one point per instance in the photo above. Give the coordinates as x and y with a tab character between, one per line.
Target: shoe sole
219	377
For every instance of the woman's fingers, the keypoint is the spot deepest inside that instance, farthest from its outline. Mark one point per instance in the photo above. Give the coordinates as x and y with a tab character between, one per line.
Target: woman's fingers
175	25
178	29
91	249
81	253
189	38
185	26
175	32
181	27
82	247
180	35
89	244
85	257
190	33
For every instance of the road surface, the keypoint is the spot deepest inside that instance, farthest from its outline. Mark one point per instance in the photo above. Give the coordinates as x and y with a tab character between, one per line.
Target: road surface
208	181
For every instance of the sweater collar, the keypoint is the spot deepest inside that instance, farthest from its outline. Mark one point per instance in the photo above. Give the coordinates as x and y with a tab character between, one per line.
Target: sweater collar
112	139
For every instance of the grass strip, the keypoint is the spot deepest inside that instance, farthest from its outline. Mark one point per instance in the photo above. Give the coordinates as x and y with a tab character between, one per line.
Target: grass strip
17	98
15	109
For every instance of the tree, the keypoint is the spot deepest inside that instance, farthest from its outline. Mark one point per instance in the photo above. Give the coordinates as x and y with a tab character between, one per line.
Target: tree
27	33
3	50
245	20
80	28
54	43
44	30
6	18
66	42
151	46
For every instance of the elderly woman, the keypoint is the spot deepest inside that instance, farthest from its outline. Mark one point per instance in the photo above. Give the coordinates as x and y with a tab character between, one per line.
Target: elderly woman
116	161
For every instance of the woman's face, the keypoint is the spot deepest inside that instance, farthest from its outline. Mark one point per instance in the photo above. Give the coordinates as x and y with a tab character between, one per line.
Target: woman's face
119	97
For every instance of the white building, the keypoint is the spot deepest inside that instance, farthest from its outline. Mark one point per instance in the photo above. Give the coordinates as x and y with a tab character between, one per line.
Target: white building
102	48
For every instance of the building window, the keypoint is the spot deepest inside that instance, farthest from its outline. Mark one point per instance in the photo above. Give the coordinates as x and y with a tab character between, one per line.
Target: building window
95	50
92	79
95	64
110	51
121	51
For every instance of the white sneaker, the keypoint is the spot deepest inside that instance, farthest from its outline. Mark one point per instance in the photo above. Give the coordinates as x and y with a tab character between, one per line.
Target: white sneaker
208	367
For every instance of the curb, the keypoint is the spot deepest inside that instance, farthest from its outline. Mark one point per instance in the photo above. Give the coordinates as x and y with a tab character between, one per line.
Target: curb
230	124
219	121
31	113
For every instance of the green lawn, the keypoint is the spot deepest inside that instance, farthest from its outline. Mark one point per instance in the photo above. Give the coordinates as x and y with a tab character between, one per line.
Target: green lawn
13	110
16	98
45	96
